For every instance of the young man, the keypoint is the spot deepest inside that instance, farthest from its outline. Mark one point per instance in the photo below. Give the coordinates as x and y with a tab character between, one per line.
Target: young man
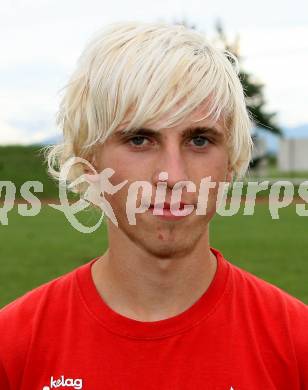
161	309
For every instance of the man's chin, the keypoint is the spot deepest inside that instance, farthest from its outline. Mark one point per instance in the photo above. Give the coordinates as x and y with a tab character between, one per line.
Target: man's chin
166	250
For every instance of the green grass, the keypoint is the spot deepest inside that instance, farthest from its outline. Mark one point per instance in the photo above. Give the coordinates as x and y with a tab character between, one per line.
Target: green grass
274	172
275	250
37	249
20	164
23	163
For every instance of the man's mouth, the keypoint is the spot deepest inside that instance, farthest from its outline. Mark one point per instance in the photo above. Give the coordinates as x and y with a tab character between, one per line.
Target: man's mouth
163	211
167	206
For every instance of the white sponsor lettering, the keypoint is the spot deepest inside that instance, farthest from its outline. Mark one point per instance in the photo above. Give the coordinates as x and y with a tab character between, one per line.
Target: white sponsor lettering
64	382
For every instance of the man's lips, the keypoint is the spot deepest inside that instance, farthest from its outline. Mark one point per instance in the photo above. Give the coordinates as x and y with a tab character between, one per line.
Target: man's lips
167	206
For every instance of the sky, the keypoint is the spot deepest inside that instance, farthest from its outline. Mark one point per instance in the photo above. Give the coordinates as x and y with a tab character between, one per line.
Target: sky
40	42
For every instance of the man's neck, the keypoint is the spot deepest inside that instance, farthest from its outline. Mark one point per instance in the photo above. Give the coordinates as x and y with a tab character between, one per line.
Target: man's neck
144	287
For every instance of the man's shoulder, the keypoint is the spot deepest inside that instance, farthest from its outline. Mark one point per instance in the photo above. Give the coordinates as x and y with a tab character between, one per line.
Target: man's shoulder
272	309
41	299
34	316
276	317
254	288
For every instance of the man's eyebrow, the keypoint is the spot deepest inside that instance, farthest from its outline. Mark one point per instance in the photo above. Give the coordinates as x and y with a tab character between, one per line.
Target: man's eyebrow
138	131
210	130
188	132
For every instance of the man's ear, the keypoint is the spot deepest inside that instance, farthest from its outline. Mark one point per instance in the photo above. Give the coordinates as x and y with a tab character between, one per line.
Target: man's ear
90	172
92	169
230	174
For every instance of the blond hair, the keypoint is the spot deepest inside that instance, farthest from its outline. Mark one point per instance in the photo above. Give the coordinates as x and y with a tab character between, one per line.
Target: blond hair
137	72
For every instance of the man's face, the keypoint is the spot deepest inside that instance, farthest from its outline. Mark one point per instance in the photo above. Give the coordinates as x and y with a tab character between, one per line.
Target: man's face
189	151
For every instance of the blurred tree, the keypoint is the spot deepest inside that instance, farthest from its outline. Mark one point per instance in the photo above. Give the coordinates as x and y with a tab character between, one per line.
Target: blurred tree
254	92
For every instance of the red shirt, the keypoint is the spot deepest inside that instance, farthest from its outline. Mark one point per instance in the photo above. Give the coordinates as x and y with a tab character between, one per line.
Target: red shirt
242	334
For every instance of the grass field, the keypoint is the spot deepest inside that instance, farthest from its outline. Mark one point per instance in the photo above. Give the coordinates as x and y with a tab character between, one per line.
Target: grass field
23	163
36	249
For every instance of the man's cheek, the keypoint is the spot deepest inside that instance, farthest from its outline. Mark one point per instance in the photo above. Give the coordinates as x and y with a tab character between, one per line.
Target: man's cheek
117	201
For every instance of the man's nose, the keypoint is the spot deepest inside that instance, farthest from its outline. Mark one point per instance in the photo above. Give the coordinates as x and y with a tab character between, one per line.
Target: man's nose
170	160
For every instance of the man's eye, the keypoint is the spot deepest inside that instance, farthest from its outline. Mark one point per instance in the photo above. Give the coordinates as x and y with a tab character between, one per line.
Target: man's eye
138	140
199	141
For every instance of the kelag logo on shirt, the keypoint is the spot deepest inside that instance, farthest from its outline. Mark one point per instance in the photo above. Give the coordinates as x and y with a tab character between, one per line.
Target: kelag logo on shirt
74	383
62	382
